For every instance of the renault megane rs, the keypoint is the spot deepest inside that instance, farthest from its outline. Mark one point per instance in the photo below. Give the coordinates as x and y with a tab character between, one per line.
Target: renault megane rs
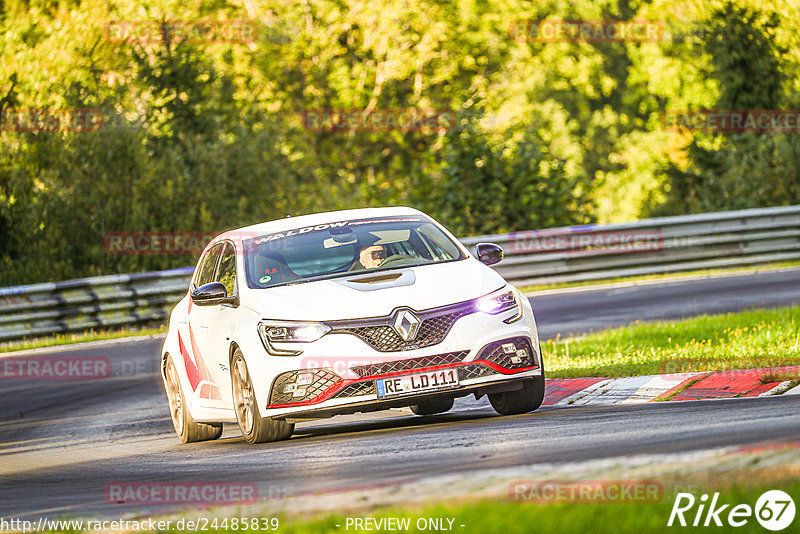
343	312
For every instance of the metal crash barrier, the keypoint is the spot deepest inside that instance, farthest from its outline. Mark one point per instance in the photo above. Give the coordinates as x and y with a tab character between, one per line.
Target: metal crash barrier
92	303
570	254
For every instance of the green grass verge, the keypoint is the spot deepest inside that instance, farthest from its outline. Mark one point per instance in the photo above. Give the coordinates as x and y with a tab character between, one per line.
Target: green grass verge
510	517
645	277
756	338
82	337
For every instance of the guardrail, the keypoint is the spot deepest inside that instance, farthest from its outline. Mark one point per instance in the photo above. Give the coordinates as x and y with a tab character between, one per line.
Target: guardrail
649	246
577	253
90	303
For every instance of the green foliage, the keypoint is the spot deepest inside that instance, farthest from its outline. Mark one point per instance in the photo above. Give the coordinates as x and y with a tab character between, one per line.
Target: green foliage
204	136
490	187
740	170
746	57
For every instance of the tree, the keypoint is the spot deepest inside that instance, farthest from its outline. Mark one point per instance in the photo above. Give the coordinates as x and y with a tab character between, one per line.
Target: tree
739	170
488	187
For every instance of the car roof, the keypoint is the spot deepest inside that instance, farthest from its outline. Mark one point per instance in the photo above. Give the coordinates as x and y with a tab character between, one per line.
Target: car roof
289	223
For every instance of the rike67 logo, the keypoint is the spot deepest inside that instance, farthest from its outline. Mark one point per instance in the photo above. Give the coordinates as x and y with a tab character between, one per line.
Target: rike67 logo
774	510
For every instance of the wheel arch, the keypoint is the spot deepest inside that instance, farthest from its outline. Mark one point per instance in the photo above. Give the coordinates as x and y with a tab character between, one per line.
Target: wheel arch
164	357
231	351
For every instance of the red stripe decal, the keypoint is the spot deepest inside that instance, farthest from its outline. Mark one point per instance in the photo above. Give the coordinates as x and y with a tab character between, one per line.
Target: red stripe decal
210	391
191	369
201	367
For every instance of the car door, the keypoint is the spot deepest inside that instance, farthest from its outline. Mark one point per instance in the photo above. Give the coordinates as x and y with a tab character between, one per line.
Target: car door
195	341
220	329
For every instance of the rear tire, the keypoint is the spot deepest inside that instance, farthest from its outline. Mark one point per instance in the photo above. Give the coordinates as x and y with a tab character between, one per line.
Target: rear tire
185	426
255	429
433	406
524	400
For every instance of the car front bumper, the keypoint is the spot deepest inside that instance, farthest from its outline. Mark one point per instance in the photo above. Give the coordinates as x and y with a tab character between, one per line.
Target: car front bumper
351	367
501	365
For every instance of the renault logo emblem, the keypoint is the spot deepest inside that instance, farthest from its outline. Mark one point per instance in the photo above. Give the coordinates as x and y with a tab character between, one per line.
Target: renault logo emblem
406	324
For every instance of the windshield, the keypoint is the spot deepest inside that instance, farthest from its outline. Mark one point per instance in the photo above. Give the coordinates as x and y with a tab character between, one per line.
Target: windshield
346	247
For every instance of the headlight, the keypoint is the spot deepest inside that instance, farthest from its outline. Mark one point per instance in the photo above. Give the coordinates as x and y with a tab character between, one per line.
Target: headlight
272	332
501	301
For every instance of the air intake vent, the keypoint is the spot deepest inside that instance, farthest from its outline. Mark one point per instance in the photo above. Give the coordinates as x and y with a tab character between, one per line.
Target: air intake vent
376	279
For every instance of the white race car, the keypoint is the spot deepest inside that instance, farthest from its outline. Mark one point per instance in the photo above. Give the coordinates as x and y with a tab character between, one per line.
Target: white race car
343	312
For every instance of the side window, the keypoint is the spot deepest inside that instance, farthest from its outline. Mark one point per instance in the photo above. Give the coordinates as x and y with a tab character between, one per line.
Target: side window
226	273
207	267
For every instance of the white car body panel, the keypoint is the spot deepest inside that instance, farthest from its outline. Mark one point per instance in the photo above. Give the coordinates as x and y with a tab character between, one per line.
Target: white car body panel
435	285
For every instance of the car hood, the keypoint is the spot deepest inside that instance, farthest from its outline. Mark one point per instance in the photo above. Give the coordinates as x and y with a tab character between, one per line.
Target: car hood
375	294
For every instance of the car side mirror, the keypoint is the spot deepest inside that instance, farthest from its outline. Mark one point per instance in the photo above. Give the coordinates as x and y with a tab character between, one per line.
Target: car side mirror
488	253
211	294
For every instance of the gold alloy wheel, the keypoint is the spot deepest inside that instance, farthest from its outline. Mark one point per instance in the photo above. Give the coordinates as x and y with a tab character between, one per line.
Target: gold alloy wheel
174	397
243	393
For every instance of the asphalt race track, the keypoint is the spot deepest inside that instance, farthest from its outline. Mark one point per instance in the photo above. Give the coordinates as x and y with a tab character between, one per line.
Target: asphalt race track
62	442
584	311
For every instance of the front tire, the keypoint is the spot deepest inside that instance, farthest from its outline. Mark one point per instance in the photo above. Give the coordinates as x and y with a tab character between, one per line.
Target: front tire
433	406
524	400
185	426
255	429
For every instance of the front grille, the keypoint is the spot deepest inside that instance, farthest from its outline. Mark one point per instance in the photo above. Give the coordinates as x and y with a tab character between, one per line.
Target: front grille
382	338
322	379
379	334
494	353
357	389
383	368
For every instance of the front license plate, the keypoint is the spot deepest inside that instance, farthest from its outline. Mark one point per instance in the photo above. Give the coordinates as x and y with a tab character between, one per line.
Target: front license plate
429	381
